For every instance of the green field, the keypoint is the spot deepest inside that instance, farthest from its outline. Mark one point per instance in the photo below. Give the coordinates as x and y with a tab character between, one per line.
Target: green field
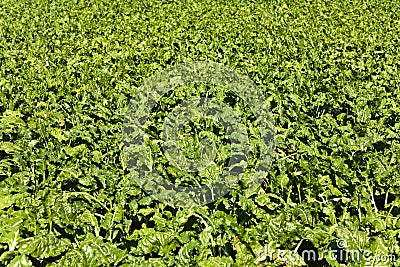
329	70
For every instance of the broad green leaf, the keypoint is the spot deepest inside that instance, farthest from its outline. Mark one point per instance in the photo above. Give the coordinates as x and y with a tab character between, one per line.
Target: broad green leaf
44	246
20	261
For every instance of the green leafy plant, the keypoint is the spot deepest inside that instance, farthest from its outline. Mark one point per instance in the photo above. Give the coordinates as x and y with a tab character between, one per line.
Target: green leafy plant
329	71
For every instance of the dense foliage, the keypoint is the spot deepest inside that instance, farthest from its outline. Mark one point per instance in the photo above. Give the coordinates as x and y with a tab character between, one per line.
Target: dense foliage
329	69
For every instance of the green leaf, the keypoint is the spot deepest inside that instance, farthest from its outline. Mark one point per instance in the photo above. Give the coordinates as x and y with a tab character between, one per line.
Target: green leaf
6	200
9	147
92	252
20	261
44	246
